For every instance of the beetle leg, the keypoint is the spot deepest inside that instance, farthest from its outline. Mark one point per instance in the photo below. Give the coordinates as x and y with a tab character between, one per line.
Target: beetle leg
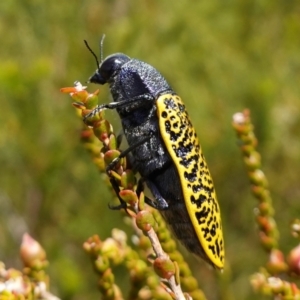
124	153
113	181
116	188
114	105
160	203
140	186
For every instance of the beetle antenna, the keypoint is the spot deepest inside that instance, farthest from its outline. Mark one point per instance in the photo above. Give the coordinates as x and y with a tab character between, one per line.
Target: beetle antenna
90	49
101	47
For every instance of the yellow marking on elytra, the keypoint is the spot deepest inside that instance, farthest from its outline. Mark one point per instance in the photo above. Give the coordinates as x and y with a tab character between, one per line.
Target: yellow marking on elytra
199	194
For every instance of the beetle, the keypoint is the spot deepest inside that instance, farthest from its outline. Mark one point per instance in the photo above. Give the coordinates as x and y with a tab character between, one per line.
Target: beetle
165	151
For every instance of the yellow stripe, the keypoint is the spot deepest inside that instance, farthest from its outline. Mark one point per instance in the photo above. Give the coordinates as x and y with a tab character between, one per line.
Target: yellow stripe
197	186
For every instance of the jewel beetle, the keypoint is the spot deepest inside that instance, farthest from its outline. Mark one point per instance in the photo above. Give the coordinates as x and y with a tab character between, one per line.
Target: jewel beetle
165	151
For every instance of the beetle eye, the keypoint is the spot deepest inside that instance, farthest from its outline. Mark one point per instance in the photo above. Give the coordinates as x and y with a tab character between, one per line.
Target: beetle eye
107	69
112	64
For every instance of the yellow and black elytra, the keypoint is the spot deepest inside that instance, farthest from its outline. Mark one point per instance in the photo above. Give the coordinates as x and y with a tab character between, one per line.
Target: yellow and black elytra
165	151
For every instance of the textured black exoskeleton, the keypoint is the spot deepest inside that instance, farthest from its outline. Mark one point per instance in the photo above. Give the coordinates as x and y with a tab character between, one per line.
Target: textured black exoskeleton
135	87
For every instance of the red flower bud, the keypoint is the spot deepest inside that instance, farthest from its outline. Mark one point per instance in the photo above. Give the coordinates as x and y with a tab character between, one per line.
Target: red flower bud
31	252
294	260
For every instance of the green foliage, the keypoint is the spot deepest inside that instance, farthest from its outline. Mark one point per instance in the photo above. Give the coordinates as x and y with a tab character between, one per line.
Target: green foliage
220	56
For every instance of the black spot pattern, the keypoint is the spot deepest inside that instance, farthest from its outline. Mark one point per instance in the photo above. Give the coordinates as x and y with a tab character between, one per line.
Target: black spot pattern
199	195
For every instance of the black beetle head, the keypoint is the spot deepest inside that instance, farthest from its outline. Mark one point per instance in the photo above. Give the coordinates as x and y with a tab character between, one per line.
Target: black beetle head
109	67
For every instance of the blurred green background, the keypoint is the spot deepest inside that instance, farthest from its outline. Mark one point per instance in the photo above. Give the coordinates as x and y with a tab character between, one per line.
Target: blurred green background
219	56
